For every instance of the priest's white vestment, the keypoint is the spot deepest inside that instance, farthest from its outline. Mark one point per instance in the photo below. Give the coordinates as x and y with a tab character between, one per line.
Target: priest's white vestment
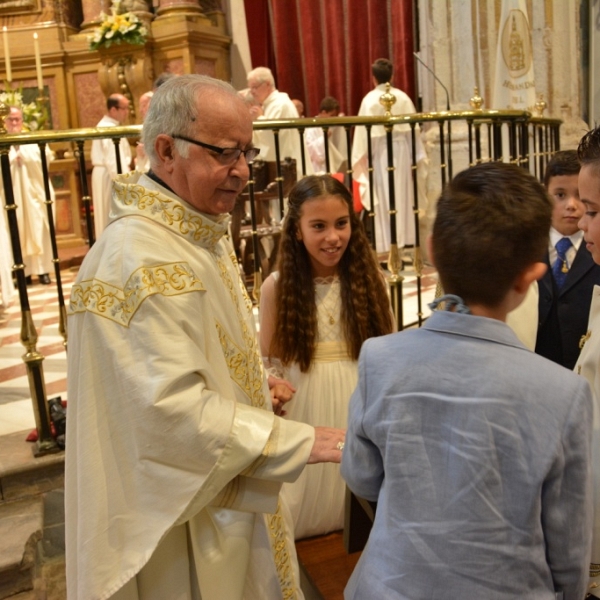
278	105
32	214
403	179
174	456
7	289
104	161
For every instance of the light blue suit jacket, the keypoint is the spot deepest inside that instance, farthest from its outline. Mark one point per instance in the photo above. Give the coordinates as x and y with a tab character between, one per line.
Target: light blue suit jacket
478	454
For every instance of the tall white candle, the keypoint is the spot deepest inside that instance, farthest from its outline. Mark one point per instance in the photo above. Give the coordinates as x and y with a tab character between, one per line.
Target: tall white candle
38	62
6	54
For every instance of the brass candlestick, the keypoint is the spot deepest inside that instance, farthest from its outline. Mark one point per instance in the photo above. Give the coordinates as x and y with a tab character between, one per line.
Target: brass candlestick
540	106
387	100
476	101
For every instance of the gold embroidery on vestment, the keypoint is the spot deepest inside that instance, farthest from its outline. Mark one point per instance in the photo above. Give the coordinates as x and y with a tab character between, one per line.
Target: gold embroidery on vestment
281	555
169	212
245	364
120	305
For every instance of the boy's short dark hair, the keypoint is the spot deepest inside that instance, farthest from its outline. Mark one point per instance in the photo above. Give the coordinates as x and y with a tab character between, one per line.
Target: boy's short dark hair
382	70
328	104
492	222
588	151
564	162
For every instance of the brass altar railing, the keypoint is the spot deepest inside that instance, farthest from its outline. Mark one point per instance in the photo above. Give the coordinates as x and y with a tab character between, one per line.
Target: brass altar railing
492	135
485	135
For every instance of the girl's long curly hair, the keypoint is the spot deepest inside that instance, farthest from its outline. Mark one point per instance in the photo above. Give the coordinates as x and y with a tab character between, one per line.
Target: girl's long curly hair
365	309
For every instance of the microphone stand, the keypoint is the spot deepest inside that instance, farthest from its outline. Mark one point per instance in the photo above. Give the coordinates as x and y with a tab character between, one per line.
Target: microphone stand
447	109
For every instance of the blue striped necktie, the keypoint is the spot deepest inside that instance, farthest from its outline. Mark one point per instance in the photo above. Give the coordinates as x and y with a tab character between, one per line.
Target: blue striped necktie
560	268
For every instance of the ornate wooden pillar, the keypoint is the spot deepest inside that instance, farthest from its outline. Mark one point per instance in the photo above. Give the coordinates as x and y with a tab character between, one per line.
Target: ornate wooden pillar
126	70
188	8
91	12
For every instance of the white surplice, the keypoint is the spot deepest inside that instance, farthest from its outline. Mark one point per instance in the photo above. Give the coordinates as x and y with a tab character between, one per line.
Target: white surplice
104	161
32	214
315	139
278	105
7	289
403	180
174	456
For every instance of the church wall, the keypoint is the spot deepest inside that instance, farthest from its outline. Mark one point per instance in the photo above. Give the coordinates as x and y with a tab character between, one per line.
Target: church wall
459	38
459	43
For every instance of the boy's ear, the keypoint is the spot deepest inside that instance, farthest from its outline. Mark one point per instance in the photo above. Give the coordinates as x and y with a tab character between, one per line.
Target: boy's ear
530	274
429	242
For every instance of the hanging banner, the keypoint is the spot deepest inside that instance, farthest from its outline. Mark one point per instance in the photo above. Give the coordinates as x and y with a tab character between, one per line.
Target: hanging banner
514	81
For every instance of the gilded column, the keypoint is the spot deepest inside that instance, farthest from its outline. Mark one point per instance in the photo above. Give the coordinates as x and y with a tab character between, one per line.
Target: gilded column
91	12
167	8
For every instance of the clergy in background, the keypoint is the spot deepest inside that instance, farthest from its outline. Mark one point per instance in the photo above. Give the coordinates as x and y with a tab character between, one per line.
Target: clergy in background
382	70
104	160
30	197
276	105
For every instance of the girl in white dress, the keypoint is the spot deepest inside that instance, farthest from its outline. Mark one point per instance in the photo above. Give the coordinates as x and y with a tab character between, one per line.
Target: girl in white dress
327	296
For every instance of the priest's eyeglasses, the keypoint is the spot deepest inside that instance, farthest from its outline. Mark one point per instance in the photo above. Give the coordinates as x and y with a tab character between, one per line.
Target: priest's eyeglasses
226	156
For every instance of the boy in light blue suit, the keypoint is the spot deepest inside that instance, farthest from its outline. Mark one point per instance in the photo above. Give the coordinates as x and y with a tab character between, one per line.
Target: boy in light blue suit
476	450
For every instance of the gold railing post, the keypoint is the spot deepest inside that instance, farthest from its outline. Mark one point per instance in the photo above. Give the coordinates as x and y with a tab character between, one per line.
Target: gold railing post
387	100
255	242
32	358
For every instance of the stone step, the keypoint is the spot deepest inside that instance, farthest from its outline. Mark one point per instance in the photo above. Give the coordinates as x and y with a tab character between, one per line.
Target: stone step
21	474
31	521
50	578
21	525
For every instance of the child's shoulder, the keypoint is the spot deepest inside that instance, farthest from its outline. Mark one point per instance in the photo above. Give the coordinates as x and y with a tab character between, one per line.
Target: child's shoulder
390	342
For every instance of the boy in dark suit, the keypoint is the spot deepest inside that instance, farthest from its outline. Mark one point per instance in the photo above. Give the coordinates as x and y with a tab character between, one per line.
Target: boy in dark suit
565	291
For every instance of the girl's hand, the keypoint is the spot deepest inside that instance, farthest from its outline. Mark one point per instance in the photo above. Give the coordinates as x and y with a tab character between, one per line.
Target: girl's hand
282	391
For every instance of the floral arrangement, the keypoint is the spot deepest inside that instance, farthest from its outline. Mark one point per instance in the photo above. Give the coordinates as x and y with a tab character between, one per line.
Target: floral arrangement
35	116
118	27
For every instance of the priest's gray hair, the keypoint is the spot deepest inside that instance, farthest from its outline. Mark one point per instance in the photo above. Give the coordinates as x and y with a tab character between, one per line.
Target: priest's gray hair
262	75
174	110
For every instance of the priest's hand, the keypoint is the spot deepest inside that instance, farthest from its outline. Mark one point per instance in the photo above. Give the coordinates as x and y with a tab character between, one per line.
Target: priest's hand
328	446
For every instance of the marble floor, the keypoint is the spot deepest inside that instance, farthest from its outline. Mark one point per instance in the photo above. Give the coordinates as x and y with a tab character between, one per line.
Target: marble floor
16	412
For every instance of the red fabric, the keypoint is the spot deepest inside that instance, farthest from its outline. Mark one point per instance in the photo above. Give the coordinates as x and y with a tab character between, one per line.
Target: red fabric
33	434
259	39
319	48
355	191
402	45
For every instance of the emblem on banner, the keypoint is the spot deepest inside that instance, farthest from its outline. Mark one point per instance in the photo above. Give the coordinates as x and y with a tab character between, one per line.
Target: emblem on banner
516	43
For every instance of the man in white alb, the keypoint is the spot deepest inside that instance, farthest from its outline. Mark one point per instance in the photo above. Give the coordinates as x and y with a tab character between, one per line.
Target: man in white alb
276	105
382	70
104	160
30	197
